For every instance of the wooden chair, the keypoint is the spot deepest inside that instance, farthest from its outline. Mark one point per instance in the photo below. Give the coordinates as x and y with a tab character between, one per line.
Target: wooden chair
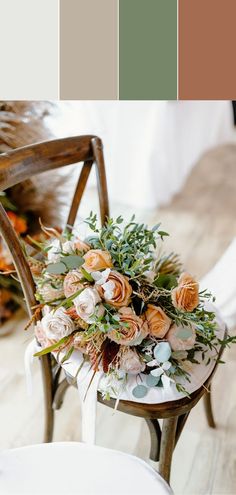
21	164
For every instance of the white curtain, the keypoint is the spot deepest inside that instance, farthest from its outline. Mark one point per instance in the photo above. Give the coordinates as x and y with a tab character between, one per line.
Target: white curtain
150	146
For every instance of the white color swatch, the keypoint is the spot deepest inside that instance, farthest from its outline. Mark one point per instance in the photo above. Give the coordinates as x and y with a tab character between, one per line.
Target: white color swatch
29	49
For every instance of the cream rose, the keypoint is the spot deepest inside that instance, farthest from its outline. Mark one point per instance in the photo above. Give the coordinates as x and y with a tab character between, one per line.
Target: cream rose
96	259
41	336
87	306
57	324
132	334
130	362
72	282
158	322
116	291
181	338
185	296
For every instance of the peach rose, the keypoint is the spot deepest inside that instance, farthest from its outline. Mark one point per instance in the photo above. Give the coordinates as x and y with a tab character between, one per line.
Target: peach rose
185	296
72	282
97	259
81	246
181	338
116	290
130	362
132	334
158	322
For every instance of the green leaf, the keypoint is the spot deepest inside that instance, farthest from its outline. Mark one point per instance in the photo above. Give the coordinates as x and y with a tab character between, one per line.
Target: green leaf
162	233
140	391
51	348
165	281
86	275
72	261
56	268
68	355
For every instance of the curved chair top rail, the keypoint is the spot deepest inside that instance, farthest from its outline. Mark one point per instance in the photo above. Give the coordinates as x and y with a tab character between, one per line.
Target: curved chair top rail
22	163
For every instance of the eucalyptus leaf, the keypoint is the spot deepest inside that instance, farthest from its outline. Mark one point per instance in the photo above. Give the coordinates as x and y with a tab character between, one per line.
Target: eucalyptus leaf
72	261
56	268
152	381
140	391
184	333
162	352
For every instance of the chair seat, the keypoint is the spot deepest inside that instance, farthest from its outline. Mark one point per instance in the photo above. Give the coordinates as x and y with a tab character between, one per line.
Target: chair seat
76	468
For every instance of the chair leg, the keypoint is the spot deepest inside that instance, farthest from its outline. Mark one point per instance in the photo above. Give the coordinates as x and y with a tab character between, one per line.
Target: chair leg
48	397
167	446
180	425
155	433
208	409
60	394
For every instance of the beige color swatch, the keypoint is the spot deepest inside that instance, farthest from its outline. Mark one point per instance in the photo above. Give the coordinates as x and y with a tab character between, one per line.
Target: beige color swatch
88	49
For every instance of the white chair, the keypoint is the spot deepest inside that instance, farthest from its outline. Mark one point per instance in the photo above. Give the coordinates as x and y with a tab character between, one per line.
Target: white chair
76	468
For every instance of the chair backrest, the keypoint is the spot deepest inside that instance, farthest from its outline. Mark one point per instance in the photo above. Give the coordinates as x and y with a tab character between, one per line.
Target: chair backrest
22	163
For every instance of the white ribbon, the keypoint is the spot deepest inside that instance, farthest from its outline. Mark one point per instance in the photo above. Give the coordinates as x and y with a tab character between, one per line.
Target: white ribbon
28	362
87	390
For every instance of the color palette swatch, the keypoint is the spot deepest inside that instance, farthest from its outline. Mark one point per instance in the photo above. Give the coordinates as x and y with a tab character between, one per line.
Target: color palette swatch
117	49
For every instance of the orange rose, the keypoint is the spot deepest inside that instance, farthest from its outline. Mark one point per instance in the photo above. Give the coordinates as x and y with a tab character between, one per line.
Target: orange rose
158	322
132	334
17	222
96	259
185	296
116	291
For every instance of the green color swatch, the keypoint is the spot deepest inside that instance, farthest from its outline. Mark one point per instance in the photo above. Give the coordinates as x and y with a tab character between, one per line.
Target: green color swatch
148	49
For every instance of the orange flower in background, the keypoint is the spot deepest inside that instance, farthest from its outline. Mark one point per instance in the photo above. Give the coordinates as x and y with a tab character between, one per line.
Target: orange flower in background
5	296
5	262
185	296
18	223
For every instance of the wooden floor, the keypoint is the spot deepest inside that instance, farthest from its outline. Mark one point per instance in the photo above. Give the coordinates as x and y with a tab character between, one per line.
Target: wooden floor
202	222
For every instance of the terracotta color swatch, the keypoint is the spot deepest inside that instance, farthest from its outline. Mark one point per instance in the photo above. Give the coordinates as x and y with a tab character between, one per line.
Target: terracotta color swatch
207	68
88	49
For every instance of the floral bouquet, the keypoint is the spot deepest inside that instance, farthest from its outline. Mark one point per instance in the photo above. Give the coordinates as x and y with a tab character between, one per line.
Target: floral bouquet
126	308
